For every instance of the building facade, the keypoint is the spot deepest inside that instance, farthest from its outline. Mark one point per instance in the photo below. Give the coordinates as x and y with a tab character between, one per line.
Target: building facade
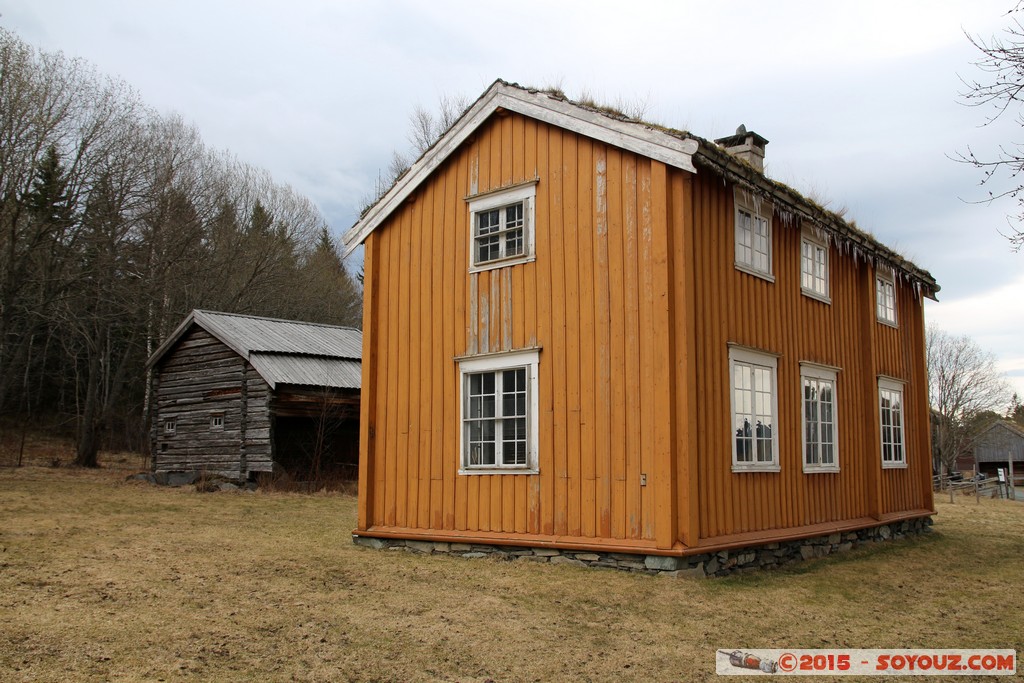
586	332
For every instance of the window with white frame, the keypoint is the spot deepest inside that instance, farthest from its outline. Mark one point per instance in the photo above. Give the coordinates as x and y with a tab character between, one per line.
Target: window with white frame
170	427
499	406
819	418
755	442
753	237
890	407
814	268
885	297
217	422
502	227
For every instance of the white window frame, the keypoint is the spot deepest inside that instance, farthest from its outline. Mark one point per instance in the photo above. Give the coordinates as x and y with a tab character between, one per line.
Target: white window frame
883	279
815	244
217	422
740	357
526	193
819	373
496	362
170	426
892	385
743	204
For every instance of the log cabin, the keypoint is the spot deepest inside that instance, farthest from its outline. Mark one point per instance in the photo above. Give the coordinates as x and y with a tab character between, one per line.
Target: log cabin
236	396
588	333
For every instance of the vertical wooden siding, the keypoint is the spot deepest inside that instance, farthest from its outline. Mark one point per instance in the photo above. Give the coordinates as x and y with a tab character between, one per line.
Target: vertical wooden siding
590	300
735	307
633	298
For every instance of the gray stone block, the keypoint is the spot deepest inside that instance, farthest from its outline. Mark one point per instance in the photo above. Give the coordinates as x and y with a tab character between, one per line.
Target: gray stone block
662	563
442	547
632	565
546	552
807	551
844	547
711	566
421	546
368	542
531	558
460	547
474	555
587	557
745	558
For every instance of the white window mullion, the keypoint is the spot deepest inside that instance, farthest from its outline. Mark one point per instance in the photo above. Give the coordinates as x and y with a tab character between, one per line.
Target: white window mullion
754	428
503	366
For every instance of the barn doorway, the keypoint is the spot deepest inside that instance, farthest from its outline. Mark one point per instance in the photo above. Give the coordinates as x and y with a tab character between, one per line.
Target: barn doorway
316	438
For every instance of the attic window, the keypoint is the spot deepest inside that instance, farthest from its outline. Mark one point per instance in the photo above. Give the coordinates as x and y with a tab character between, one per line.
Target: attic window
217	422
814	268
885	297
753	240
502	227
170	427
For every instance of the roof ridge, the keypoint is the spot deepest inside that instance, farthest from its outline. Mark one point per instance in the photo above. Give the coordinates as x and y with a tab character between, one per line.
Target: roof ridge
276	320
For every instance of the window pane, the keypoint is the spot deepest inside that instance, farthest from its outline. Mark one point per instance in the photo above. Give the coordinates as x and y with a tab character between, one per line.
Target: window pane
488	249
488	222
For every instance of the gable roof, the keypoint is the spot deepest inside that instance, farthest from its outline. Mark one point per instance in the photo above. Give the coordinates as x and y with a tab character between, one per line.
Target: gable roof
1005	425
281	351
677	148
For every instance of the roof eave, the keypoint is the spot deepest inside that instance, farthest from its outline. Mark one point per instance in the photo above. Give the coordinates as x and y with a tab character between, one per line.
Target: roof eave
727	164
171	340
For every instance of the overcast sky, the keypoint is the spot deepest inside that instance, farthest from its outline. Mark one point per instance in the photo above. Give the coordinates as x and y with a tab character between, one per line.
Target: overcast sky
859	100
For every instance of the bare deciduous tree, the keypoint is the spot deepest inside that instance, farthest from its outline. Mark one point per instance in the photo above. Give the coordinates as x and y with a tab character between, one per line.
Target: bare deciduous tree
115	222
963	382
1002	88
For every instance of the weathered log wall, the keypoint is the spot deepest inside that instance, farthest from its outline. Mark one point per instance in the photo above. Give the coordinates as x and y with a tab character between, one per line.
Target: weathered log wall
199	379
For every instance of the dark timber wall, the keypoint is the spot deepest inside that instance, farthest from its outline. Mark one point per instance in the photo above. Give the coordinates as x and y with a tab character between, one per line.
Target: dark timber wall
200	378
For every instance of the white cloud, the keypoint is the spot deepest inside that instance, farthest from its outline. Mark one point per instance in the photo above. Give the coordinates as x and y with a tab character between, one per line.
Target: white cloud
858	99
994	319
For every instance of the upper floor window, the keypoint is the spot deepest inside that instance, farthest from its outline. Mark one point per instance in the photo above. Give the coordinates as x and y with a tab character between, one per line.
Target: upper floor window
754	409
819	418
499	413
217	422
753	238
885	297
814	268
890	407
502	226
170	427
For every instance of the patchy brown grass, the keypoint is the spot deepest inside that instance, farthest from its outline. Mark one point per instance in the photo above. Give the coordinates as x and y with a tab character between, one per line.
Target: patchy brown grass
102	579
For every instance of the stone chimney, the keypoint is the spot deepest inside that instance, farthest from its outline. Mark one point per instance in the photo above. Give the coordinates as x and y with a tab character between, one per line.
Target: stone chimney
746	146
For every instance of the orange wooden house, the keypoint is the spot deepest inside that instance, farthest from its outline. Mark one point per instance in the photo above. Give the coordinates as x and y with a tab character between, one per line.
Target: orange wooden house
589	334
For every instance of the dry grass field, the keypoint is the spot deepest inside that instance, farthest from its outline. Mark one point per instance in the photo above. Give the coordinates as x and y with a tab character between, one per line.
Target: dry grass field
103	579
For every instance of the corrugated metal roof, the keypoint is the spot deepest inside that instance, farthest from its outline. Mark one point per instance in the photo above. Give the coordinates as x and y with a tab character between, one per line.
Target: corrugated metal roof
282	351
307	370
249	334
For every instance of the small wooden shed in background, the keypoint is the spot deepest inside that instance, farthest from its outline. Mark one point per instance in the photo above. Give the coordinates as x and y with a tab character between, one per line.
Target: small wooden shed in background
236	395
995	448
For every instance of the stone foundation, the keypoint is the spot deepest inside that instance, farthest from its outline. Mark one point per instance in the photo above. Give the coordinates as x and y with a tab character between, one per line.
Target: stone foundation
719	563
